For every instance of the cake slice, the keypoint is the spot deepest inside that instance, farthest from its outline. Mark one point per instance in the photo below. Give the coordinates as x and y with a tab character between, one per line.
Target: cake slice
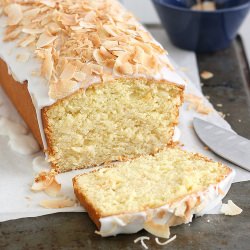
152	192
93	86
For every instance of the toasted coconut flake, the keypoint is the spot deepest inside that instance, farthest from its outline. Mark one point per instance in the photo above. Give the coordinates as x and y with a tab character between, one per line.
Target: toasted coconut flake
43	180
192	98
48	3
166	242
138	55
14	13
31	12
68	72
141	239
62	88
88	33
85	25
80	76
207	75
24	57
159	230
68	19
53	28
27	41
96	69
110	30
12	35
180	210
47	65
32	31
55	204
202	109
196	103
90	16
107	78
45	40
231	209
53	189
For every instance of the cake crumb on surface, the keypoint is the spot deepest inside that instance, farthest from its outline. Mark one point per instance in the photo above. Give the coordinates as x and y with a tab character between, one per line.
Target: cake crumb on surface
206	75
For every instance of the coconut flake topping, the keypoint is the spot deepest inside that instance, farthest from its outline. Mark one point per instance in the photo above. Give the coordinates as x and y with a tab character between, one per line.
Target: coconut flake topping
80	39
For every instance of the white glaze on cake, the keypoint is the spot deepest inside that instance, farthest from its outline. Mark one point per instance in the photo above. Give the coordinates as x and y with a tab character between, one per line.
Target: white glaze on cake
134	222
38	87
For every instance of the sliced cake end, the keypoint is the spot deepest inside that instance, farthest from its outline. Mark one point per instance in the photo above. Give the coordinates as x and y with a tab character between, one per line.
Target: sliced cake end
152	192
117	120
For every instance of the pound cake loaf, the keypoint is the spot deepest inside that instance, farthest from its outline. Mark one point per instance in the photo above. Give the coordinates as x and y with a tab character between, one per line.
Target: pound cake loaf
98	88
152	192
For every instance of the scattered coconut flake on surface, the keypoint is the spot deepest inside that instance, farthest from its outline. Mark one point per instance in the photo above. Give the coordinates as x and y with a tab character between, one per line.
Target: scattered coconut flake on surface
207	75
196	103
46	181
53	189
166	242
219	105
54	204
141	239
230	209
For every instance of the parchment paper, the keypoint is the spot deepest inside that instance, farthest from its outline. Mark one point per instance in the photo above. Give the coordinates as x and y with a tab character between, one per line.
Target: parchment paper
17	173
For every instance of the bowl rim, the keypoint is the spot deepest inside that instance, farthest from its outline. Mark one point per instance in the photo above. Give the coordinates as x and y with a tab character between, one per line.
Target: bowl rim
235	8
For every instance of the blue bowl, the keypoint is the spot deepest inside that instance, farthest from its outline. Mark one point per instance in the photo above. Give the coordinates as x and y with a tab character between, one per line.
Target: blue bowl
202	31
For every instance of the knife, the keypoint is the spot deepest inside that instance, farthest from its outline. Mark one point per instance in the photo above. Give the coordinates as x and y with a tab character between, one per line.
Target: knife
224	143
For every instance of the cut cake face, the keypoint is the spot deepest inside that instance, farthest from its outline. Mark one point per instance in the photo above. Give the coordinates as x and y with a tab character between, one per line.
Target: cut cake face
114	121
152	192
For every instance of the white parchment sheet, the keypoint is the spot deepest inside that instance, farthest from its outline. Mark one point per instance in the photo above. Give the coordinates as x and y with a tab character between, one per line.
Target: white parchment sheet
17	171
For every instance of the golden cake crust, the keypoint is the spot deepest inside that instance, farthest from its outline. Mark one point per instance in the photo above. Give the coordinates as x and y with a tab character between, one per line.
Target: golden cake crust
20	97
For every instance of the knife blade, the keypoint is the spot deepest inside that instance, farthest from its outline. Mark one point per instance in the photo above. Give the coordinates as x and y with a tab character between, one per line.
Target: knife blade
224	143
